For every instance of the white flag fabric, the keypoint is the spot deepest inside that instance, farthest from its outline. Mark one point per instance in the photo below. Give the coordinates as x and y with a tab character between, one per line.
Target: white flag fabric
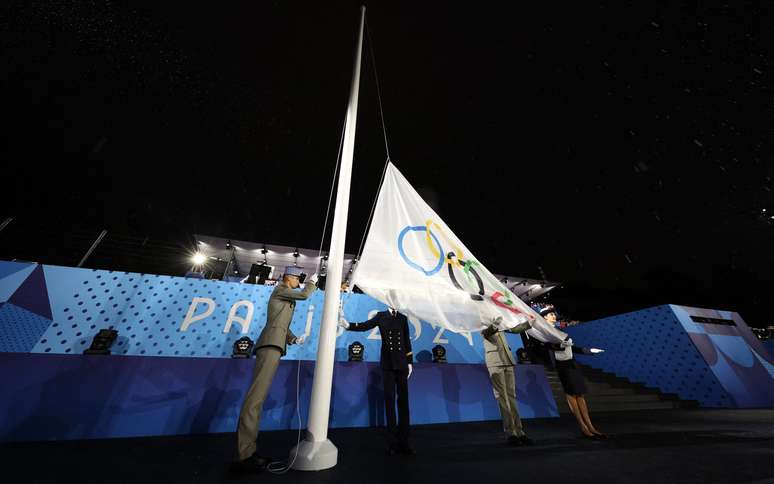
412	261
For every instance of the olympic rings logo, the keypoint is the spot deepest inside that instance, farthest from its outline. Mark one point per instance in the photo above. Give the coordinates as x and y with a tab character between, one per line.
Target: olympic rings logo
453	259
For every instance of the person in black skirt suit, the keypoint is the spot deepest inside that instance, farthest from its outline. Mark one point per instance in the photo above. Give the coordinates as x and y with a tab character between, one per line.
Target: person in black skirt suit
573	383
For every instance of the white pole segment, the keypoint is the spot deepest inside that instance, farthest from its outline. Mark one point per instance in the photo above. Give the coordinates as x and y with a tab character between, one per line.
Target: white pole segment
316	452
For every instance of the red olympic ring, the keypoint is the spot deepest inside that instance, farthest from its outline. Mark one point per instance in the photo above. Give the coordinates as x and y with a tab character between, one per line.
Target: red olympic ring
496	299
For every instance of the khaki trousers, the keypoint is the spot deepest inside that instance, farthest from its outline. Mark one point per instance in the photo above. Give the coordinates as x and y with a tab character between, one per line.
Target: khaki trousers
504	387
266	363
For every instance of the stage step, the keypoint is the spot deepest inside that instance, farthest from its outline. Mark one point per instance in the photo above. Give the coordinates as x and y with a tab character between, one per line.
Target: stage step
597	388
610	393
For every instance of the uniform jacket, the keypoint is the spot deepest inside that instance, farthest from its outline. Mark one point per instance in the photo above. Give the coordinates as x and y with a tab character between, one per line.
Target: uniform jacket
281	305
497	352
566	353
396	340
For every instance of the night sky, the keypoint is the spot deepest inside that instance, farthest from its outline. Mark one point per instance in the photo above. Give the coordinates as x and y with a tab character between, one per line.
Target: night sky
624	149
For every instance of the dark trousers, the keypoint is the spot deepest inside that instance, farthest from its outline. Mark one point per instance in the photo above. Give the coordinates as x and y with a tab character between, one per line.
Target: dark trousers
396	381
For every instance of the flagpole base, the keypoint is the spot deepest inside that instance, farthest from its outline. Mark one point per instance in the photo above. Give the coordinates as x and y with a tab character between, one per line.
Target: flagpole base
314	456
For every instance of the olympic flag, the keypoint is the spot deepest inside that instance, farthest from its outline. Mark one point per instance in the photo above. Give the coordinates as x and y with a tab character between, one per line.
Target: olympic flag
412	261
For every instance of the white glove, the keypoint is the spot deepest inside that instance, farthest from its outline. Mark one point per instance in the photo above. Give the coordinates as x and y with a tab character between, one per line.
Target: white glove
596	350
411	368
313	278
343	323
497	322
566	343
300	339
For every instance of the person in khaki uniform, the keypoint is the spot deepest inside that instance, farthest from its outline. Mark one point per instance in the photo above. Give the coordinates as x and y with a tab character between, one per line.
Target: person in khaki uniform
270	347
500	363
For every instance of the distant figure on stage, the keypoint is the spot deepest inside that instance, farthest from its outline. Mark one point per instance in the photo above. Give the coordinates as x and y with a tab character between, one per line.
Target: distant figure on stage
573	383
270	347
500	363
396	363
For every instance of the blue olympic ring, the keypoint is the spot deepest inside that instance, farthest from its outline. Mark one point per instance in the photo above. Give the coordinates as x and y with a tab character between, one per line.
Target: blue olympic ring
420	228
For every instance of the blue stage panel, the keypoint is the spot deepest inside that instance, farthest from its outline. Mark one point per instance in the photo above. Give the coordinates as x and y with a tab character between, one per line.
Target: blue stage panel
769	346
23	329
718	363
174	316
51	397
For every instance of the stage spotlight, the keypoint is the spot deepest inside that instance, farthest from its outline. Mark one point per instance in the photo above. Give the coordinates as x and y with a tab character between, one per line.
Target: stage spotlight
243	348
198	258
355	351
264	251
295	253
228	245
439	354
101	343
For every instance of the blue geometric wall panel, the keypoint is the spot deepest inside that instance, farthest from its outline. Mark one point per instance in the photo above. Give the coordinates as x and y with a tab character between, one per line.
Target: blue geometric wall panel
654	347
174	316
32	294
23	328
734	354
769	346
12	275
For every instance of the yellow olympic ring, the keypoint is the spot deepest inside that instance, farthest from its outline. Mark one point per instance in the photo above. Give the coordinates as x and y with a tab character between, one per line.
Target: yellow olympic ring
458	254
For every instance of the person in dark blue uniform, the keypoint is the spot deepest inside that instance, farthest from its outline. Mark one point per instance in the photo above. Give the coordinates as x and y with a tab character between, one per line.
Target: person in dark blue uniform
396	362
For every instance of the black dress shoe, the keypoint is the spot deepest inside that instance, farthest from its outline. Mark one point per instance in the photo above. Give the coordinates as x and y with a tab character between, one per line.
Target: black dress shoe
392	449
515	441
252	465
406	449
526	440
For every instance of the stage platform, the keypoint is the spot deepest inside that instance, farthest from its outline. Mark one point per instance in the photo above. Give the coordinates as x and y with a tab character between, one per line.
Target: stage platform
659	446
75	397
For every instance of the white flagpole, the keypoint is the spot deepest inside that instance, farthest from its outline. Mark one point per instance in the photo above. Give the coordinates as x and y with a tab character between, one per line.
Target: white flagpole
316	452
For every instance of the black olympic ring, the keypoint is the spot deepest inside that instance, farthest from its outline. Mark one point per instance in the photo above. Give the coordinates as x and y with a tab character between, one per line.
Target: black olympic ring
475	297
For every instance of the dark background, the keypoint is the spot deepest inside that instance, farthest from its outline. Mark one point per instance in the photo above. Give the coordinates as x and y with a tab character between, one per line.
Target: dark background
622	148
